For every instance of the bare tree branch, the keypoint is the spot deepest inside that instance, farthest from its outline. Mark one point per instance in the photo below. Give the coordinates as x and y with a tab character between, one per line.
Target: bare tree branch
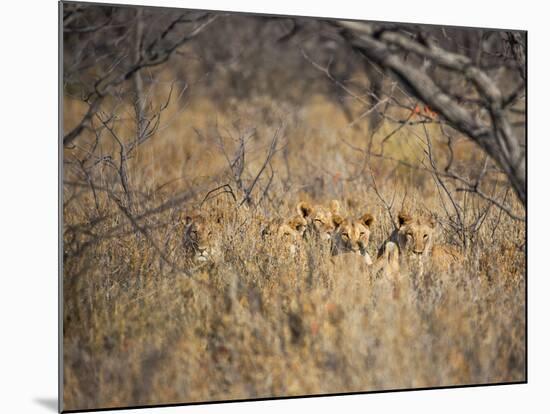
494	135
153	56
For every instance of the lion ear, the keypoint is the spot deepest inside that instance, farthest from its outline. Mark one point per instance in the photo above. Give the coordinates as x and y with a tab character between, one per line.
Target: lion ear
304	209
337	219
188	219
367	219
404	218
432	222
334	206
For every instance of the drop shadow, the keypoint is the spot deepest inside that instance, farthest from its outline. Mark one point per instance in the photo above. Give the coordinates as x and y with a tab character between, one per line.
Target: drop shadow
49	403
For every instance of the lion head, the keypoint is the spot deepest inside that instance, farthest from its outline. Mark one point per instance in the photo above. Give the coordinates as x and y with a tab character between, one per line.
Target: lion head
288	232
415	234
352	235
320	219
294	227
197	237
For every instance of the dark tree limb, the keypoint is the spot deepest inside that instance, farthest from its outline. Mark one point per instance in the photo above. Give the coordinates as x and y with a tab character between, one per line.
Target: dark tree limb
493	134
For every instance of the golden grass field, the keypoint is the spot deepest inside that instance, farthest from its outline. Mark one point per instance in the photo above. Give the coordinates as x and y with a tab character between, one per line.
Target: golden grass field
144	325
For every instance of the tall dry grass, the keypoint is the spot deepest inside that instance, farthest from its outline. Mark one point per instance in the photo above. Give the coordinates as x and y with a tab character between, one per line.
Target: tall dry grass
140	328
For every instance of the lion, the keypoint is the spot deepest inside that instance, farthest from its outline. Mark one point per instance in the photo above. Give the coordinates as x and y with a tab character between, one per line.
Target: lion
320	219
198	237
352	236
414	238
289	231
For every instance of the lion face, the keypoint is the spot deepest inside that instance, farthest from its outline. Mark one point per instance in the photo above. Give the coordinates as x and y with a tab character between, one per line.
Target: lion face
320	219
197	237
352	235
415	235
294	228
292	232
289	232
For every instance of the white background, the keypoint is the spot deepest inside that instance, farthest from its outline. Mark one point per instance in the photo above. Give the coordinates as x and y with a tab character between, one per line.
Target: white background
28	204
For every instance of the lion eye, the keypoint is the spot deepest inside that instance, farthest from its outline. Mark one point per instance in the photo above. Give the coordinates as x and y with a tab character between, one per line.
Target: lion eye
346	235
409	235
317	220
362	234
425	236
